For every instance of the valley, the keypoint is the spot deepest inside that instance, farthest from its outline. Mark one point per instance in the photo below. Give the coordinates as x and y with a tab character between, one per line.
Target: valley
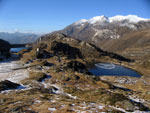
53	76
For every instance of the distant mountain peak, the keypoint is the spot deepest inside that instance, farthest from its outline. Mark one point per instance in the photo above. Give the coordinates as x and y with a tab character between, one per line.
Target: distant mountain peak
100	19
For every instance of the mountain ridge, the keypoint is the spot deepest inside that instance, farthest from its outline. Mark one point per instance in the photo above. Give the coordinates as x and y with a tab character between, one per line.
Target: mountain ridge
130	18
102	29
18	37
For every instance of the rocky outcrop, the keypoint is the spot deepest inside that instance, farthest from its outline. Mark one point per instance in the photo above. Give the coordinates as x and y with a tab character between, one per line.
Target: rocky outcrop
7	85
65	49
4	49
76	66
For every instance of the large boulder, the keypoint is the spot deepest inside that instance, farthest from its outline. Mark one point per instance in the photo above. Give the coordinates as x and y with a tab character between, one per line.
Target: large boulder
6	85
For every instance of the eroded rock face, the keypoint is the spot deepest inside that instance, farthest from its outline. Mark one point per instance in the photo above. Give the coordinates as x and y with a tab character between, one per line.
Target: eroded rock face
6	85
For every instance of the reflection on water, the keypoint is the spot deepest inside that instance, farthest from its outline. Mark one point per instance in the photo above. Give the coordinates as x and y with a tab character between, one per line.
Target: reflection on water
105	65
112	70
17	49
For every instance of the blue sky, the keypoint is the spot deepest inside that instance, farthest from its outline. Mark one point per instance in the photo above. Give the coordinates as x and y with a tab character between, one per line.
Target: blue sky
43	16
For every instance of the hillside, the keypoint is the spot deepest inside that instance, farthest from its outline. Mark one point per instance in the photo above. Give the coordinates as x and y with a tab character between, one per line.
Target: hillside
135	44
74	48
137	39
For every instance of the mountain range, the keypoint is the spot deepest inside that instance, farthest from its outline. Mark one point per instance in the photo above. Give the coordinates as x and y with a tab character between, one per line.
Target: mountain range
101	29
54	74
18	37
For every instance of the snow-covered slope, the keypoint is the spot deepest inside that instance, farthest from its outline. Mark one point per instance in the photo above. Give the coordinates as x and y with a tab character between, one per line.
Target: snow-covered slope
82	21
103	19
100	19
130	18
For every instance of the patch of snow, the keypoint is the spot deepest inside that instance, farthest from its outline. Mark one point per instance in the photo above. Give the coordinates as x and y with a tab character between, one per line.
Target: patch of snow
129	25
18	75
134	98
83	112
80	22
98	19
101	106
120	109
37	101
69	95
52	109
8	72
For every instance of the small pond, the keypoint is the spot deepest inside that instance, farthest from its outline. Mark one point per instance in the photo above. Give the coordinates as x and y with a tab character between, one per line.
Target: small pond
110	69
16	50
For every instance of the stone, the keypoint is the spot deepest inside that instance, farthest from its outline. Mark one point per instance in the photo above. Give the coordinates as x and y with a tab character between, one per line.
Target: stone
6	85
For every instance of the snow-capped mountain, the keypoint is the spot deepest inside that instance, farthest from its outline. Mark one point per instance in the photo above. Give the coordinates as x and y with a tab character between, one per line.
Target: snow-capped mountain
130	18
101	28
119	18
